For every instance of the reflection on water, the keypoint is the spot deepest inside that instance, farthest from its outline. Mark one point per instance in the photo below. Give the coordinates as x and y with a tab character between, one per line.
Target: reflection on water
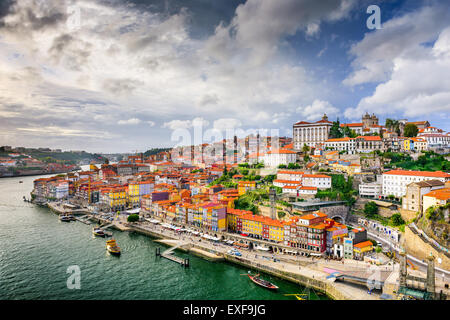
36	250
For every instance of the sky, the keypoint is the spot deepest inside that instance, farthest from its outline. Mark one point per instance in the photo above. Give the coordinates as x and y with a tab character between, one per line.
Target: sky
122	76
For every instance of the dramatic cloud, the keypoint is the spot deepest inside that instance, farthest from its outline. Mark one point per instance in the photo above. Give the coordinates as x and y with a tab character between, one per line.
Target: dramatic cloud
134	73
414	73
402	36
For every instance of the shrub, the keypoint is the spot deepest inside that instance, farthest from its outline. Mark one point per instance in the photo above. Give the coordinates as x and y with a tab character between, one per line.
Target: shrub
133	218
370	209
397	219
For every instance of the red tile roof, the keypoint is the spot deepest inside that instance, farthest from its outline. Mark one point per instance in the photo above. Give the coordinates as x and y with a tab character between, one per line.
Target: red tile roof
436	174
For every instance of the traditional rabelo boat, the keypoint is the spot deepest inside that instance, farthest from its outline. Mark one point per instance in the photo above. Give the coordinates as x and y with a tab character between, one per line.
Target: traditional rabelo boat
112	247
261	282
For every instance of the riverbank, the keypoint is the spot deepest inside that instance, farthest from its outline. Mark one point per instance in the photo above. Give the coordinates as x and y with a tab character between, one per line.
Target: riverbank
31	174
297	274
301	273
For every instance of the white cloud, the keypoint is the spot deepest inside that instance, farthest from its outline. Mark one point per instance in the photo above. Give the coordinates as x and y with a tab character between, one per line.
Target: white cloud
227	123
400	36
123	60
177	124
130	121
418	83
185	124
316	110
259	25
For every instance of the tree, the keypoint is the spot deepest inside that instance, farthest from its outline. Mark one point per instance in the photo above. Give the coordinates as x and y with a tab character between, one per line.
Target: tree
370	209
281	214
282	166
335	130
393	125
133	218
270	177
397	219
347	132
305	148
410	130
293	166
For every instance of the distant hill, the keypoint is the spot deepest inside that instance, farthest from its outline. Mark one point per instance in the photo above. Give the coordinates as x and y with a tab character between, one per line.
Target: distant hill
155	151
66	157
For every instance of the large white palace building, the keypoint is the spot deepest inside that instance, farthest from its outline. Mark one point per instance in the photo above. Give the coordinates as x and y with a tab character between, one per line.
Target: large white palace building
311	133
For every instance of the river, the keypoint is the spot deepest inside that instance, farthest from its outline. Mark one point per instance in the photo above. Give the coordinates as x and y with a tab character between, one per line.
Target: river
36	249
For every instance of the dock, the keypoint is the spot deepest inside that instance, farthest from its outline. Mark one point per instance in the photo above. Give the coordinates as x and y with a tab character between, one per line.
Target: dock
83	219
168	254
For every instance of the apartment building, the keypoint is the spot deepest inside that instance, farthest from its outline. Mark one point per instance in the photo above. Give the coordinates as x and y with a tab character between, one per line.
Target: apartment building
347	145
395	181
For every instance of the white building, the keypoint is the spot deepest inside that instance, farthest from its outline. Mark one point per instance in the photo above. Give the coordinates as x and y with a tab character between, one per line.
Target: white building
341	144
395	181
320	181
311	133
286	183
303	190
275	158
290	175
436	139
372	189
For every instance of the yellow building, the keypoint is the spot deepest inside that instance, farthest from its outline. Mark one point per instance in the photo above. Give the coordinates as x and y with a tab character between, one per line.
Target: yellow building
133	194
408	144
260	227
244	186
361	249
232	215
117	199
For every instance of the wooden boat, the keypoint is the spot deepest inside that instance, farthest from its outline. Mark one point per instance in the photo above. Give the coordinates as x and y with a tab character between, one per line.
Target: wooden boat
98	232
298	296
65	218
261	282
111	247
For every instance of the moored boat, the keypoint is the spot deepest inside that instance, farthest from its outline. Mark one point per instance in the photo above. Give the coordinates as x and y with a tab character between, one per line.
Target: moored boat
98	232
112	247
261	282
65	218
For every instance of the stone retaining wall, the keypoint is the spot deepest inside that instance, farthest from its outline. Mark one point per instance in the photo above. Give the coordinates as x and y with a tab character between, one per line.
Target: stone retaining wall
421	249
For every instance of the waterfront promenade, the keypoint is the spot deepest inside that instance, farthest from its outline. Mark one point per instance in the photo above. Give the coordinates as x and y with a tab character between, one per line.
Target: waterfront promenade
308	271
304	271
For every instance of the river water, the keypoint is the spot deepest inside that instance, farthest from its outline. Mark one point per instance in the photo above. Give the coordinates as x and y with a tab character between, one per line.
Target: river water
36	249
